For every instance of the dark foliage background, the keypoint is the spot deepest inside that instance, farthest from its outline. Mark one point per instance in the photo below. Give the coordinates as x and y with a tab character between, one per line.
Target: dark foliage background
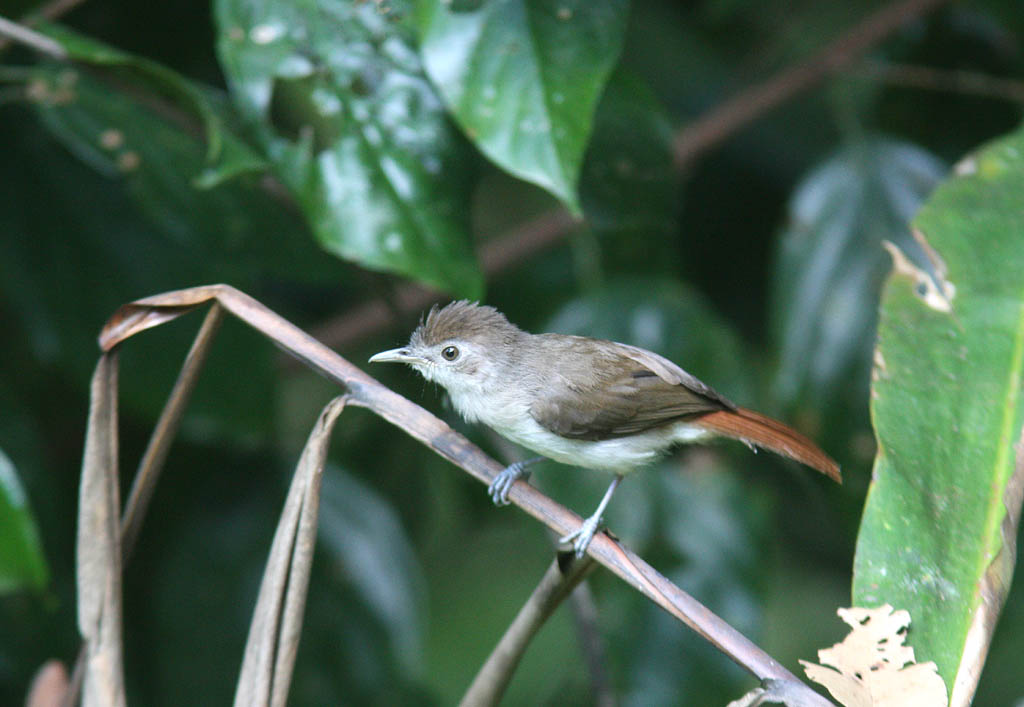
757	267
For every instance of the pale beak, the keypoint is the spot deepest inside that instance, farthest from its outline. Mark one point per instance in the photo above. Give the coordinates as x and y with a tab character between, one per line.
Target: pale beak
395	356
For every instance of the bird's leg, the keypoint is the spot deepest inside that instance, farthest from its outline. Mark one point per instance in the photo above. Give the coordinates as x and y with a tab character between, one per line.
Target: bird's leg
502	483
581	537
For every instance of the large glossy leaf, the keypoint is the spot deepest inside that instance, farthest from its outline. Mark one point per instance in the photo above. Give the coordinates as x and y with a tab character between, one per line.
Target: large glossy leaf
22	564
939	529
523	77
336	94
831	262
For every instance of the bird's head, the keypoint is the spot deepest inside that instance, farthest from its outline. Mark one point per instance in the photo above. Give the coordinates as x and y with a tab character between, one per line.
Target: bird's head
460	346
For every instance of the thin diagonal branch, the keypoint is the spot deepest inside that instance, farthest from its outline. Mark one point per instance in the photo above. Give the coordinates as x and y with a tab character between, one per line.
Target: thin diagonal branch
952	81
735	113
595	655
12	31
50	11
165	430
496	256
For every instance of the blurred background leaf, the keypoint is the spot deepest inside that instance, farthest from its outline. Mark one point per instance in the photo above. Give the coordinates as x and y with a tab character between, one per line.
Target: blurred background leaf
227	155
22	563
113	188
830	259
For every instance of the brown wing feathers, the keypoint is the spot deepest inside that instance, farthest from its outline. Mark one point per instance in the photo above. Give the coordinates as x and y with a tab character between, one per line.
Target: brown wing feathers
640	390
762	431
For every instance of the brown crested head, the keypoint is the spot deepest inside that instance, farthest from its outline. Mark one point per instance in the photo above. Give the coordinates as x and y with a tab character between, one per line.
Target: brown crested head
464	320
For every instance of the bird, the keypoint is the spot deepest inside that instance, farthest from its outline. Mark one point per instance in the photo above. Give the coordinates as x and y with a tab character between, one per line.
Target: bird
585	402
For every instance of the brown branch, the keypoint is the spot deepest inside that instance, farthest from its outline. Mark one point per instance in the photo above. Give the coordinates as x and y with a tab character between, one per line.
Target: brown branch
366	392
51	11
932	79
164	432
735	113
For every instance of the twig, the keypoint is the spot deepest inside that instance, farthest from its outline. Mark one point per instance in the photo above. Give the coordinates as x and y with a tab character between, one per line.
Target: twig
728	117
273	641
366	392
165	431
557	583
30	38
52	11
49	685
953	81
49	11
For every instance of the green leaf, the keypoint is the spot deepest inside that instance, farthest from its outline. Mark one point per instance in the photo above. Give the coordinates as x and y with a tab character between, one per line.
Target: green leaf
227	155
137	224
22	563
523	77
830	260
124	139
939	528
338	100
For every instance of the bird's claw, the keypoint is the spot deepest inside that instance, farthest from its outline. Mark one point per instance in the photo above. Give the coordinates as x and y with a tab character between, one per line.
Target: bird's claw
502	483
581	537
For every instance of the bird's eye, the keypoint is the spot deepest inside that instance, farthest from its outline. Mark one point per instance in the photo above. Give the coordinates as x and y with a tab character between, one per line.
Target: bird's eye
450	353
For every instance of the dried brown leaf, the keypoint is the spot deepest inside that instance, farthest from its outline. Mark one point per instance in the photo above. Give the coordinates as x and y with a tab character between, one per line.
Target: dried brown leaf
277	619
98	564
873	667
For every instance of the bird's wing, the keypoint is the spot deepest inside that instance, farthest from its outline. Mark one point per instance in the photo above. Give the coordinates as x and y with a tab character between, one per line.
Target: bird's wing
638	391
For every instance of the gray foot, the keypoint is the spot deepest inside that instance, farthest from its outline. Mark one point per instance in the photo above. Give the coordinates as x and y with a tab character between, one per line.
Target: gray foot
502	483
581	537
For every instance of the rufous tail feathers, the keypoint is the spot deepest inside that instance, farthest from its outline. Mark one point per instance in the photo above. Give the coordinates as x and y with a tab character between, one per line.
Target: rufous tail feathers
762	431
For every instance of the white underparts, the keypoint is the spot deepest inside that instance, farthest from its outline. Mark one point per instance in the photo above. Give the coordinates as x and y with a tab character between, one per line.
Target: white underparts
620	454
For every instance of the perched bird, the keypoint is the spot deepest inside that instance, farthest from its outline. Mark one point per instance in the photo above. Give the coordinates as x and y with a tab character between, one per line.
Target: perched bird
586	402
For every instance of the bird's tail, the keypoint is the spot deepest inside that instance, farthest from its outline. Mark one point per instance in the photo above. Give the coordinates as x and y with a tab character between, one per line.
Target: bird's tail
762	431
